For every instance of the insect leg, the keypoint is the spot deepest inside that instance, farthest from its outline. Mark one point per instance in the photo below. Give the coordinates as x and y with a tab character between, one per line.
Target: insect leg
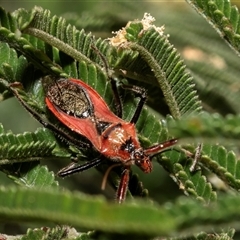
117	99
142	94
75	168
139	92
76	142
123	185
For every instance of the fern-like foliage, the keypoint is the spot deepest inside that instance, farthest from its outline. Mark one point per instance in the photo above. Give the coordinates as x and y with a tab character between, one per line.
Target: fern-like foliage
25	150
138	218
57	33
15	146
34	175
169	70
207	128
58	232
223	163
77	44
194	184
223	17
12	65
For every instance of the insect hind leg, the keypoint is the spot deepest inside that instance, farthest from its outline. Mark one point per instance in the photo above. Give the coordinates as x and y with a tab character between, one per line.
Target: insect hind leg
142	94
14	88
117	99
76	168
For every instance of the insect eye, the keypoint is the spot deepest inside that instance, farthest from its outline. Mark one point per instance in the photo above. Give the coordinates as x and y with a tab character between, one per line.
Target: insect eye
128	146
138	155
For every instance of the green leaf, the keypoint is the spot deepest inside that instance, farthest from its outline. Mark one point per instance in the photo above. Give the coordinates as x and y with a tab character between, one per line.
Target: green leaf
223	163
225	235
38	176
223	17
57	233
194	184
20	43
7	21
108	217
207	128
56	32
96	213
170	72
28	146
215	82
12	67
25	47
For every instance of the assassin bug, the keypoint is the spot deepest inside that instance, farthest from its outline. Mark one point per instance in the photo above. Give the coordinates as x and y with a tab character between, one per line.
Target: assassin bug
80	108
83	111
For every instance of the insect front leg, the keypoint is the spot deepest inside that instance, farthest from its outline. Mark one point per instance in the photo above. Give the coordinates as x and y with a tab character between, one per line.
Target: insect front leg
123	185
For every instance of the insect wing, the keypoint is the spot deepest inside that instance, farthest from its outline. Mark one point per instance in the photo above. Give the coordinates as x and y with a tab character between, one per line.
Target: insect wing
86	126
83	126
101	109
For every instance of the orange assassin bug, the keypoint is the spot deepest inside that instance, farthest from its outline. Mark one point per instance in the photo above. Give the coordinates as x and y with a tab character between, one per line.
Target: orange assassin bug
83	111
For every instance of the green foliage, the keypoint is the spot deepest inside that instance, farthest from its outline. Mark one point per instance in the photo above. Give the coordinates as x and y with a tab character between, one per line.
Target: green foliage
190	100
223	17
167	66
47	233
136	217
25	145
